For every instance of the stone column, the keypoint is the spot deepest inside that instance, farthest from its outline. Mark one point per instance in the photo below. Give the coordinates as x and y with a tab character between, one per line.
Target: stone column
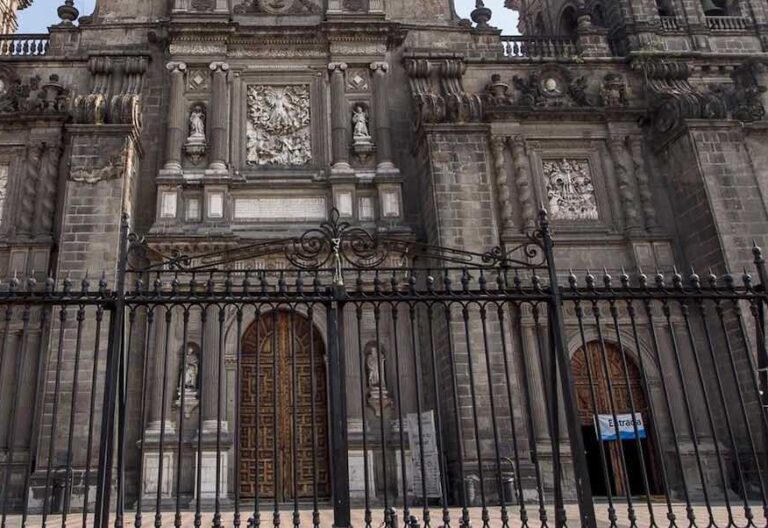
159	367
213	393
339	118
219	116
176	117
210	364
621	166
498	145
643	183
523	182
536	403
45	206
381	112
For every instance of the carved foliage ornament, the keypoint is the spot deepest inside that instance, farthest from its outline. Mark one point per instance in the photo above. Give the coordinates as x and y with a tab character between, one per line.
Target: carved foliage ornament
279	125
570	190
553	86
31	96
277	7
743	98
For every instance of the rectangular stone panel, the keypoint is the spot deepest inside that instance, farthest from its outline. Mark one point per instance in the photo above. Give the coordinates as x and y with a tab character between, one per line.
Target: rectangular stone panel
281	208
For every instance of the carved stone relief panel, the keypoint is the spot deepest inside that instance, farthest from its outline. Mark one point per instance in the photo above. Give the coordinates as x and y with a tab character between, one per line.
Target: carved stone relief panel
279	126
570	190
358	80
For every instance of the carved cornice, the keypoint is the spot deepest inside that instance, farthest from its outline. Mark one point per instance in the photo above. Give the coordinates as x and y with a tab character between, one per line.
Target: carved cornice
362	39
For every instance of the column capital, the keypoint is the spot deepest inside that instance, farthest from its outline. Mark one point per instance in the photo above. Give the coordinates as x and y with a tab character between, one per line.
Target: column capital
335	67
379	67
219	67
176	67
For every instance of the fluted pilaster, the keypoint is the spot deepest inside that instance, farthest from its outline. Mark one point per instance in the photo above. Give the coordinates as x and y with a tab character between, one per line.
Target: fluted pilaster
176	117
339	118
219	116
381	112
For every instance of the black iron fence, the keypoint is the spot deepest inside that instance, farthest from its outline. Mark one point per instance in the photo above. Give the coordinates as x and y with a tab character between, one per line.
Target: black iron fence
349	383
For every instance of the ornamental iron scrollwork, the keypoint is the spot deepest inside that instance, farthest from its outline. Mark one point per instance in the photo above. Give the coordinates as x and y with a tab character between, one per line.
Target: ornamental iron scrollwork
337	245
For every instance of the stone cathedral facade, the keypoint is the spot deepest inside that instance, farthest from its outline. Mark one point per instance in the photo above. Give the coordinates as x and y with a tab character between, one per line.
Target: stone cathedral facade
639	124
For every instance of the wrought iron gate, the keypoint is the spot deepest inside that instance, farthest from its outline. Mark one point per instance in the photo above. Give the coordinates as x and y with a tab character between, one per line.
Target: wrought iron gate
357	380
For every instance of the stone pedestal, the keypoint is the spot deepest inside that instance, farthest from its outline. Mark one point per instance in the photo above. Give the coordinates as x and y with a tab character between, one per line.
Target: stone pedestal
208	485
357	462
150	472
152	477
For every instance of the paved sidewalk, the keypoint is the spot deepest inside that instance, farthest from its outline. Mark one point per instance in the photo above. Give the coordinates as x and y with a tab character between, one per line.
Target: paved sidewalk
643	516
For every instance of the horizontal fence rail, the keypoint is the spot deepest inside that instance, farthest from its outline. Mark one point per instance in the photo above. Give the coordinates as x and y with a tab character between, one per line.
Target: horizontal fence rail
445	396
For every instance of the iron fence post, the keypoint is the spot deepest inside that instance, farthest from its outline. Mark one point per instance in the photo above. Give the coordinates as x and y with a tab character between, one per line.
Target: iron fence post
113	370
581	472
762	352
338	409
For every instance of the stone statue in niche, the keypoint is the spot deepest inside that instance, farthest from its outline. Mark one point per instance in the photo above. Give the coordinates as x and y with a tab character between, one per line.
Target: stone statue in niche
279	121
190	375
570	191
195	146
362	143
189	379
378	396
196	123
360	133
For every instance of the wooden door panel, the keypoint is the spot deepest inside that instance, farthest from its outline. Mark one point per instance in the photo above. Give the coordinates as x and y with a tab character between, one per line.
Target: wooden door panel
617	390
289	335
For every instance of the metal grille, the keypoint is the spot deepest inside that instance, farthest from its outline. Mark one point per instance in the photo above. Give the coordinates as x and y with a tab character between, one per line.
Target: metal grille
451	389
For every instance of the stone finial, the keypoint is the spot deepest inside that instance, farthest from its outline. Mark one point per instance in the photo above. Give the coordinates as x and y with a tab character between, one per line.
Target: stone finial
481	15
67	12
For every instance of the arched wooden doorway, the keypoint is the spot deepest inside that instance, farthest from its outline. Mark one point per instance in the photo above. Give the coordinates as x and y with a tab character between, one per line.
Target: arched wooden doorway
631	470
269	426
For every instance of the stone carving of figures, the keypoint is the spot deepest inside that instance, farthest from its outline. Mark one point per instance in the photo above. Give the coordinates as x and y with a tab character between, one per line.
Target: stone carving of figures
197	123
279	125
570	191
360	120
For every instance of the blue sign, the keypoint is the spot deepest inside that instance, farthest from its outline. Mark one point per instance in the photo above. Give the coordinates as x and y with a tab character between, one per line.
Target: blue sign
627	426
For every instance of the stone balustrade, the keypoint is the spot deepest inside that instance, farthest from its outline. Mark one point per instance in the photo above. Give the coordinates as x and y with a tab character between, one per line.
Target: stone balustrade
671	23
727	23
20	44
538	47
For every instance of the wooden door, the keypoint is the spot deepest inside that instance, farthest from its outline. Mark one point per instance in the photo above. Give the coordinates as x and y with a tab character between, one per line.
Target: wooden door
270	427
621	400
